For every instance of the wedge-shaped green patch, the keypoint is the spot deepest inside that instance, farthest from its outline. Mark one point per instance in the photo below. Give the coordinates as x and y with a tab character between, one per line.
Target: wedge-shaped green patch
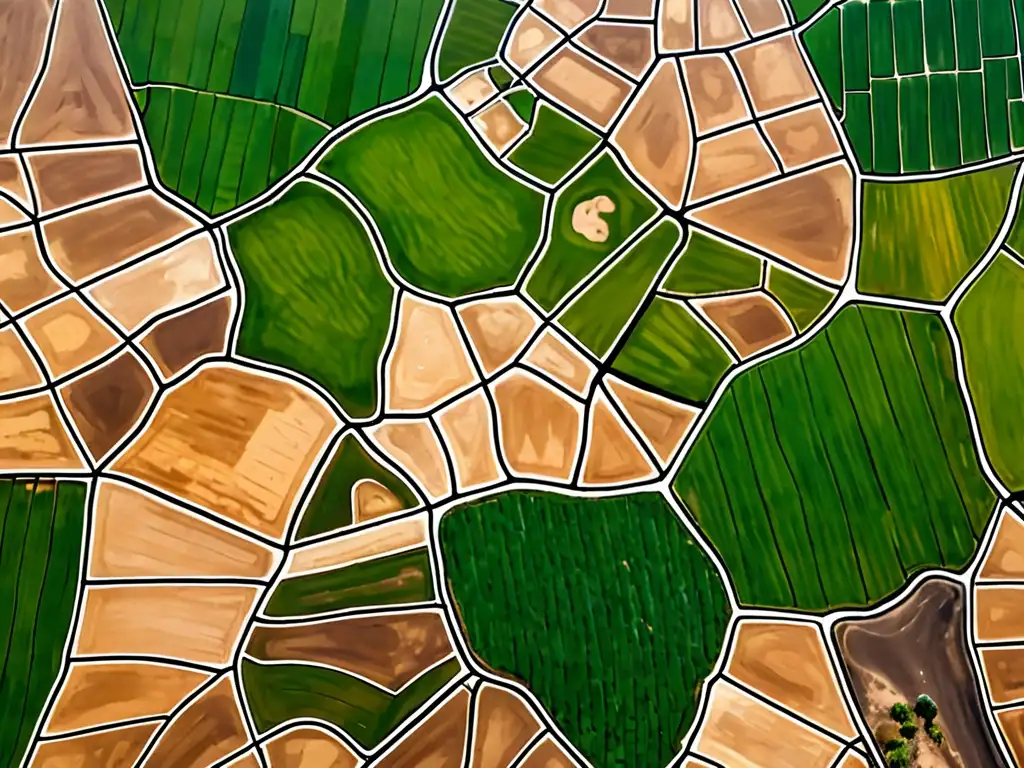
522	101
453	223
829	474
607	609
802	299
316	298
555	146
473	34
708	265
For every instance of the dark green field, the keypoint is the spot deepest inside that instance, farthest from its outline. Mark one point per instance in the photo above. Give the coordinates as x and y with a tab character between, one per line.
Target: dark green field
554	147
474	33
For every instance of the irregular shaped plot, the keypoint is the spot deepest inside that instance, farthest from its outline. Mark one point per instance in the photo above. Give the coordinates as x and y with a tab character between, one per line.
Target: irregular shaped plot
68	336
24	278
802	137
498	329
301	746
116	747
554	356
504	726
662	423
628	46
1005	558
499	125
438	740
730	161
27	23
583	86
676	25
718	24
33	436
467	428
414	445
803	300
473	34
556	144
363	544
18	370
774	73
612	455
752	322
70	177
709	265
181	340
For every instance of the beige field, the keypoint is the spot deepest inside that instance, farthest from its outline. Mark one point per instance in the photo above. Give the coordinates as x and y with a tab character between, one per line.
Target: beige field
68	178
802	137
663	423
1005	560
391	650
675	25
762	15
569	14
504	725
208	730
68	335
636	9
347	548
775	74
440	740
249	468
729	161
304	747
12	177
1004	668
805	219
24	279
429	362
714	92
136	535
531	39
612	456
555	357
499	125
178	341
467	429
371	500
628	46
116	748
17	368
32	436
23	33
472	90
188	622
413	445
719	24
582	85
94	694
751	322
497	329
999	613
588	218
547	754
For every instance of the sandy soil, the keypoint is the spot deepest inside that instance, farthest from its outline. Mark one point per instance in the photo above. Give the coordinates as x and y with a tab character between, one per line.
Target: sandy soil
569	14
32	436
741	732
675	25
81	97
729	161
249	468
504	725
853	760
94	694
634	9
94	239
137	535
390	650
413	445
806	219
775	74
24	279
1004	668
583	86
429	362
248	760
12	178
554	356
751	322
547	754
531	39
629	46
473	89
116	748
499	125
179	341
348	547
655	135
188	622
999	613
68	178
587	219
68	335
539	427
762	15
17	368
612	456
308	748
918	647
661	421
720	25
788	663
1011	721
498	329
802	137
371	500
467	429
23	32
1005	559
440	740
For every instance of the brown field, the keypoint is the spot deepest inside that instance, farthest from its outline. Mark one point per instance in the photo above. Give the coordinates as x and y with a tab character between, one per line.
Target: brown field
68	335
720	25
741	732
806	219
24	279
68	178
12	178
612	456
569	13
429	362
999	613
583	86
472	90
176	277
693	762
661	421
714	92
504	725
729	161
390	650
788	663
1011	721
762	15
371	500
1004	668
553	356
188	622
530	40
305	747
179	341
17	368
675	25
248	760
655	135
499	125
9	214
628	46
636	9
117	748
802	137
853	760
360	545
440	740
1005	560
751	322
137	535
414	446
32	436
23	32
248	468
81	97
547	754
467	429
94	239
94	694
539	427
775	74
498	329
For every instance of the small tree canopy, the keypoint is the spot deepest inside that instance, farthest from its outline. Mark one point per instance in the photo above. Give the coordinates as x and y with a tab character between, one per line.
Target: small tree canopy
935	734
926	708
900	712
899	757
908	730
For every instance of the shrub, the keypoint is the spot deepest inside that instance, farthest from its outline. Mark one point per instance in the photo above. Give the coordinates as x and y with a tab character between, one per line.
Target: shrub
935	734
892	744
908	730
900	712
899	757
926	708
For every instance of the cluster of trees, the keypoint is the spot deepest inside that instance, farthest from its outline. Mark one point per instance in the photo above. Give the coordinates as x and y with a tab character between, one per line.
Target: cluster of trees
897	741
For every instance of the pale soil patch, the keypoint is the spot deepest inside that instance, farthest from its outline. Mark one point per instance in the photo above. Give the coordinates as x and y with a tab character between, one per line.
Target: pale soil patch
731	160
249	467
504	725
802	137
94	694
180	621
305	747
531	39
999	613
467	430
138	535
361	545
665	424
775	74
68	335
475	88
720	25
655	136
499	125
548	754
675	22
371	500
1004	668
568	14
178	341
414	446
1011	722
68	178
17	368
612	456
429	362
1005	560
440	740
636	9
587	219
750	322
12	177
763	15
117	748
24	279
498	329
583	86
629	46
554	356
714	92
32	436
23	28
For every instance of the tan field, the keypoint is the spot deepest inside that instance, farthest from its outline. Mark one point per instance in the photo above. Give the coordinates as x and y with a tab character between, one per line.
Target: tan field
729	161
762	15
675	25
249	468
208	730
24	279
136	535
94	694
68	178
998	613
108	401
371	500
429	362
499	125
188	622
569	14
1011	722
720	25
347	548
9	214
588	218
413	445
1005	560
17	368
752	322
806	219
117	748
440	740
169	280
741	732
853	760
68	335
32	436
178	341
634	9
305	747
547	754
467	429
23	33
12	179
248	760
504	725
81	97
714	92
775	74
802	137
628	46
498	329
539	427
612	456
693	762
472	90
1004	668
788	663
655	136
391	650
531	39
94	239
663	423
553	356
583	86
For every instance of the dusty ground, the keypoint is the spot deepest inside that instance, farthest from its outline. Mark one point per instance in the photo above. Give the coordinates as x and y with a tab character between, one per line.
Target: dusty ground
472	90
349	547
26	22
17	369
762	15
32	436
67	178
729	161
554	356
612	456
413	445
583	85
208	730
751	322
117	747
180	340
588	221
675	20
530	40
440	740
68	335
998	613
23	278
661	421
714	92
1005	559
802	137
775	74
308	748
504	725
499	125
498	329
719	24
467	429
629	46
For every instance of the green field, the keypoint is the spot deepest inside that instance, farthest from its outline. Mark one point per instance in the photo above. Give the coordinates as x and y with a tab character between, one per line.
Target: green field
921	238
827	475
803	300
39	556
607	610
989	319
402	166
473	34
554	146
708	265
316	298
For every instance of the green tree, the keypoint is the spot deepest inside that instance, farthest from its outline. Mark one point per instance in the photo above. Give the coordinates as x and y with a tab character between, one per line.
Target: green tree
900	712
899	757
935	734
908	730
926	708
